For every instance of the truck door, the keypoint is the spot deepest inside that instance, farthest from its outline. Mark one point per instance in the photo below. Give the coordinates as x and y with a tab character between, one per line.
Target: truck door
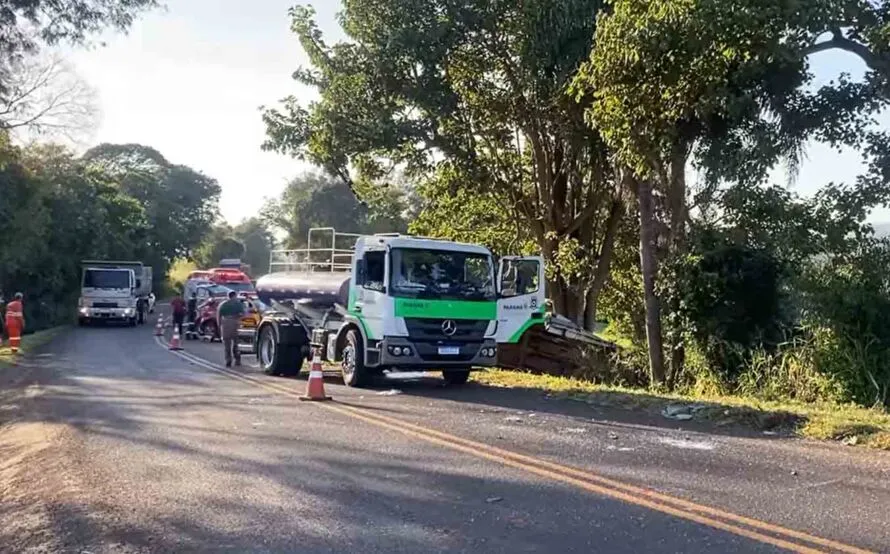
369	303
521	302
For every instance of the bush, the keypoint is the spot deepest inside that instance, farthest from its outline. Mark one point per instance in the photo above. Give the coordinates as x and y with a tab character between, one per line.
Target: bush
731	302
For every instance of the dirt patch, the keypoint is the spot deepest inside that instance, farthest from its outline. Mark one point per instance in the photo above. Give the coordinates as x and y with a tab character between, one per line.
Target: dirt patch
34	475
31	480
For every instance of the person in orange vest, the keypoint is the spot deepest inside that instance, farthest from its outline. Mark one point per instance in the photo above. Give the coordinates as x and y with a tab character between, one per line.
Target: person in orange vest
15	322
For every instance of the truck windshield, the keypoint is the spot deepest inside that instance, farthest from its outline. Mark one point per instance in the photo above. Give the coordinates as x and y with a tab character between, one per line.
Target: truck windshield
444	274
106	279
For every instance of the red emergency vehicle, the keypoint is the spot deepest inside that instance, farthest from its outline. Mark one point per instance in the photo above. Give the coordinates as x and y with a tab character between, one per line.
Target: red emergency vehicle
198	274
234	279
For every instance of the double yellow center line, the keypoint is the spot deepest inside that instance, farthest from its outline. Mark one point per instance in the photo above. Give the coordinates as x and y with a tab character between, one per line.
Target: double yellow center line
789	539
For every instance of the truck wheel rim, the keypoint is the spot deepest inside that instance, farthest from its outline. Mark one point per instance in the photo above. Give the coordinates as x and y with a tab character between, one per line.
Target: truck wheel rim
348	364
268	352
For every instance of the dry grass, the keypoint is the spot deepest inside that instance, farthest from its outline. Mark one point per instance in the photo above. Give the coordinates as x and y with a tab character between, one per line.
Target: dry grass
850	424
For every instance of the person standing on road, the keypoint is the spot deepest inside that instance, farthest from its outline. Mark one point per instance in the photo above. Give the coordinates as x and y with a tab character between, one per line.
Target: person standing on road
229	314
178	306
140	310
15	322
192	315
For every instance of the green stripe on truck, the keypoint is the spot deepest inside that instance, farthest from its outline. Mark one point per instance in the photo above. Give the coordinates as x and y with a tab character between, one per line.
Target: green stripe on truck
445	309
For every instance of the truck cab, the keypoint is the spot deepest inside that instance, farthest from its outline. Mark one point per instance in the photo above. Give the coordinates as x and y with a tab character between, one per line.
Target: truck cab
416	304
110	291
107	294
385	302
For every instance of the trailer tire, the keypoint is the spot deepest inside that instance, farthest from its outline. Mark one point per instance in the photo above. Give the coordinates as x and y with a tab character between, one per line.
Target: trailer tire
275	358
352	366
459	377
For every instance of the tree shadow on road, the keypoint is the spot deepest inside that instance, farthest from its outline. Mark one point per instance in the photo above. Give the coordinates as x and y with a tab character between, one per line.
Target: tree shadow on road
172	460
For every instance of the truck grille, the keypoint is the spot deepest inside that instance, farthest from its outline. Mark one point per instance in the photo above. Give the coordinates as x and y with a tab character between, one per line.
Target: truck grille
105	304
467	330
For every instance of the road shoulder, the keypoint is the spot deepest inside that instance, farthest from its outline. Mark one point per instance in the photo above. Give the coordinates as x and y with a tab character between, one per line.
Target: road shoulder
35	478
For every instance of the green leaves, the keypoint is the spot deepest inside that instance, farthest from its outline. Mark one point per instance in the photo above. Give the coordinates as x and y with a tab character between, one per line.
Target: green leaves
317	200
180	203
466	99
118	202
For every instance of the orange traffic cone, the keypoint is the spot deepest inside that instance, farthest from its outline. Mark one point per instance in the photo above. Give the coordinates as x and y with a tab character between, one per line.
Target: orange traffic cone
174	342
315	386
159	328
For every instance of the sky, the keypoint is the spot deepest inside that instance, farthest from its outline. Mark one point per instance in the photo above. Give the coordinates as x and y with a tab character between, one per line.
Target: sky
189	81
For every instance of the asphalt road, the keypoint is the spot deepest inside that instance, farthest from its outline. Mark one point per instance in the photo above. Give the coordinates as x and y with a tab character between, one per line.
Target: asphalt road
164	452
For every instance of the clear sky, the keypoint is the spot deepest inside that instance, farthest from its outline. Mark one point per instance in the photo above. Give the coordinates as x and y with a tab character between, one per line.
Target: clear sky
189	82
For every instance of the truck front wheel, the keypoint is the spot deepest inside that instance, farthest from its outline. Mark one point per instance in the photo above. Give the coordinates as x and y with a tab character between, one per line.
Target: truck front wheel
355	374
459	377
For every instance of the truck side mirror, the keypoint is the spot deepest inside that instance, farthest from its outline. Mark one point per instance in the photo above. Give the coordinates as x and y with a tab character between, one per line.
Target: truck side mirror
138	283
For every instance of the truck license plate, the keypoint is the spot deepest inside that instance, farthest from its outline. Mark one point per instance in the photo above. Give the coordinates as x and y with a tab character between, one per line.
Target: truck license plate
449	350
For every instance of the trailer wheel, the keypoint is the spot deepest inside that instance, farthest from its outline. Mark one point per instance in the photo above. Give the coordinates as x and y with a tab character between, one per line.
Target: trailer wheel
355	374
275	358
459	377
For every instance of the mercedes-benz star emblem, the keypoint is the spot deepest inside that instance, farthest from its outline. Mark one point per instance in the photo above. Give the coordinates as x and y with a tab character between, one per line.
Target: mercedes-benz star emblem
449	327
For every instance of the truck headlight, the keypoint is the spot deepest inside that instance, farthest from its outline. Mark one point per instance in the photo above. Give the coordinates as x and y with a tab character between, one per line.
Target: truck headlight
84	310
128	311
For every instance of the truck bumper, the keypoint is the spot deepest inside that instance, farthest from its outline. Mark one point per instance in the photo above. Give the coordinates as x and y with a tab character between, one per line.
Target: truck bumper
430	355
246	341
106	314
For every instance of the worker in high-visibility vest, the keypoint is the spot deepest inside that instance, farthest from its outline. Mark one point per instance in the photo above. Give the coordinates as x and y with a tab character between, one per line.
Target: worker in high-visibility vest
15	322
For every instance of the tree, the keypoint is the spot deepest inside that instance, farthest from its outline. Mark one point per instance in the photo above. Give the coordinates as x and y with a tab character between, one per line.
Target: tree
722	83
180	203
258	242
46	99
468	99
219	244
56	211
316	200
25	22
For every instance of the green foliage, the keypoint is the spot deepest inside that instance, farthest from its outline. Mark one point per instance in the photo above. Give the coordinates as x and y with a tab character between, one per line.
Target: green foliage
220	243
732	301
258	241
55	211
25	25
250	241
316	200
180	203
468	100
454	212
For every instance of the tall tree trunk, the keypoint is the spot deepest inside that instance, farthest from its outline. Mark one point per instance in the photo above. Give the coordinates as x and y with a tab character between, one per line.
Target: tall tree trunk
649	267
677	188
603	265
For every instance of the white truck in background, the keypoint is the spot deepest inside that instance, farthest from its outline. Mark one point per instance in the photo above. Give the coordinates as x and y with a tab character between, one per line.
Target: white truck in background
112	291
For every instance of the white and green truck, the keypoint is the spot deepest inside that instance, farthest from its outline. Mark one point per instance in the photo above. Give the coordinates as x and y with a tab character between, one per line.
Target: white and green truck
393	302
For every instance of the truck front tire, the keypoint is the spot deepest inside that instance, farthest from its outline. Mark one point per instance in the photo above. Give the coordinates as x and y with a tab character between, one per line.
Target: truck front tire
456	377
355	374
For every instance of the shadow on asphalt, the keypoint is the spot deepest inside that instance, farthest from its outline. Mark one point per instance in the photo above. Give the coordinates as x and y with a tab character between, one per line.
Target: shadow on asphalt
377	500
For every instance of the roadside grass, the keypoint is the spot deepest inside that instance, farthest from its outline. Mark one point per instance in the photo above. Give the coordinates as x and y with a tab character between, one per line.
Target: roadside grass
850	424
29	343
